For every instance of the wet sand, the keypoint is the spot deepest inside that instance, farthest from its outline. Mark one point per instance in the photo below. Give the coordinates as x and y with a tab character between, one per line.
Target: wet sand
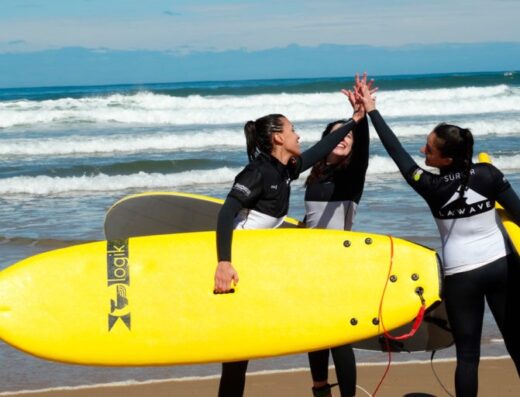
497	378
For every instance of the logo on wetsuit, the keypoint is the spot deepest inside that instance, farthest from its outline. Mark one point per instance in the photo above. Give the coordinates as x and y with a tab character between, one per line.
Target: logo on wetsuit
417	174
241	188
471	203
118	280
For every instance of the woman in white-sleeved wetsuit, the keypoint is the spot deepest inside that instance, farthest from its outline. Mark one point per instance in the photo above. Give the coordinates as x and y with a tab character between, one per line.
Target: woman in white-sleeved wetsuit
259	199
479	263
333	191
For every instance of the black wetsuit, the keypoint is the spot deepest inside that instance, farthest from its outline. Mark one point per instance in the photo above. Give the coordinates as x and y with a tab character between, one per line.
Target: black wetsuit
331	199
477	258
260	198
330	203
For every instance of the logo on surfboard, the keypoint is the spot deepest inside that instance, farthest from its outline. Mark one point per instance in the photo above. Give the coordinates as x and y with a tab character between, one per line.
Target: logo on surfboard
118	276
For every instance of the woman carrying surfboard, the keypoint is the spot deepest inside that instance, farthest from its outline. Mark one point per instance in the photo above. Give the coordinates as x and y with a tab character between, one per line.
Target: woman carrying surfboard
259	199
333	191
478	261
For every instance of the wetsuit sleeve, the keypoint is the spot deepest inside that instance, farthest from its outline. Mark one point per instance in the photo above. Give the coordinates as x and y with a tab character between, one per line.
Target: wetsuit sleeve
315	153
360	151
511	203
226	217
402	159
506	196
247	187
354	174
246	190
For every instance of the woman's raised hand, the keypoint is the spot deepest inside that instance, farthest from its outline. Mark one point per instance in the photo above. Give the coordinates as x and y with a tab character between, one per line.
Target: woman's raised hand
357	106
364	92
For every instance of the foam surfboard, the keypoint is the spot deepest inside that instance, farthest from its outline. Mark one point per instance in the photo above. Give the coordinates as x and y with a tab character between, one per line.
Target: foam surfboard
163	213
512	229
149	300
174	212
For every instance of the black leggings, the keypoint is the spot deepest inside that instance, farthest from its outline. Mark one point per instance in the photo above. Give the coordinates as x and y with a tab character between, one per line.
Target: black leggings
345	364
233	379
464	294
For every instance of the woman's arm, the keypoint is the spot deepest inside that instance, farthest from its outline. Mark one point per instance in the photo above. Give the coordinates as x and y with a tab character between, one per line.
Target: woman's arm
404	161
401	157
511	203
225	273
325	145
360	149
226	217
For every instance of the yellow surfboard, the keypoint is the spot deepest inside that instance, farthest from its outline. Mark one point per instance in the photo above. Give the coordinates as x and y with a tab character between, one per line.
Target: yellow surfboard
513	230
149	300
153	213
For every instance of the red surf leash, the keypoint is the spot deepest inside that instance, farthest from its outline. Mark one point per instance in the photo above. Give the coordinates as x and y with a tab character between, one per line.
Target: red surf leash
387	335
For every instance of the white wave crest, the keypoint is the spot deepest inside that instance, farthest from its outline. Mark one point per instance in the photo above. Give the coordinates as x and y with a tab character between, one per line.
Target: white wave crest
208	138
46	185
479	126
158	109
449	101
505	162
381	165
121	144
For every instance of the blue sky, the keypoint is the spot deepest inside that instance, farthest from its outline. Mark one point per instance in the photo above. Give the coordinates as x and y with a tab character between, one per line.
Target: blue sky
29	25
187	28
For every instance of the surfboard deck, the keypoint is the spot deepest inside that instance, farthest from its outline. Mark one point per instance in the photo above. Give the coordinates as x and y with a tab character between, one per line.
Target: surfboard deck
512	229
149	300
174	212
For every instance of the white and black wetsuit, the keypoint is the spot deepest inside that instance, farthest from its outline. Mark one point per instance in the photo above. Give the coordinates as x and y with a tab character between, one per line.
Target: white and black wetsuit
331	200
259	199
330	203
477	257
469	221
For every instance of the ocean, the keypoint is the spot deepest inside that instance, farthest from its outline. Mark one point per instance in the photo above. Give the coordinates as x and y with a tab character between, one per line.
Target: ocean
68	153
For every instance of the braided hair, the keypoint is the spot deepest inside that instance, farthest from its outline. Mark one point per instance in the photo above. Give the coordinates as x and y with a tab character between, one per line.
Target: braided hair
259	133
456	143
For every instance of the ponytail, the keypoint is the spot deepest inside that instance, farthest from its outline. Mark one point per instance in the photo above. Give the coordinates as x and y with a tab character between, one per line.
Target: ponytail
457	143
468	156
259	134
250	132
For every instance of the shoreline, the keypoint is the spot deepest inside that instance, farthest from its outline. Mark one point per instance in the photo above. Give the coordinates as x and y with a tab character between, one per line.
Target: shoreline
413	378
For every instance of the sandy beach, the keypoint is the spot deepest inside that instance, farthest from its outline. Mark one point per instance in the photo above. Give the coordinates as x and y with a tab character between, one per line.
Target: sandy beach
497	378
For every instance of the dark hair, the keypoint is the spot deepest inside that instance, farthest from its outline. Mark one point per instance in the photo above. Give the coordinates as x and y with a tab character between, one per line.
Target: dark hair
456	143
319	167
259	132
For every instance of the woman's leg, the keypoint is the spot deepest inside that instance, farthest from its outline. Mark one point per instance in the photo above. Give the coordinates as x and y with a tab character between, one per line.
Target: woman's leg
233	379
345	363
511	323
319	364
503	300
465	308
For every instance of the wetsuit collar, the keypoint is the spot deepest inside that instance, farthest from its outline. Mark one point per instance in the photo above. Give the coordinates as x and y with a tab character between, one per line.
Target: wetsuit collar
274	162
